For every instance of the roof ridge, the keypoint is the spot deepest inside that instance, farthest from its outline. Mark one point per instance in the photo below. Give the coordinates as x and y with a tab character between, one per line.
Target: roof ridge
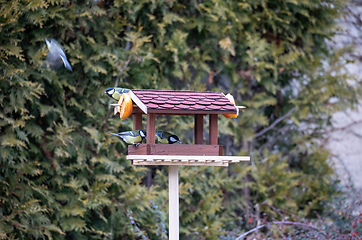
167	90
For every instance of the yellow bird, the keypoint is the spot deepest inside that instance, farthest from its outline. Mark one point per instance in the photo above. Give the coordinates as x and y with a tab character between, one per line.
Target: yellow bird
131	137
166	138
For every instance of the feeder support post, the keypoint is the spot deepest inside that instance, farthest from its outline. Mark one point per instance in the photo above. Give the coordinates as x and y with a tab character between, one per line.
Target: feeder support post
137	121
151	128
199	129
173	204
213	129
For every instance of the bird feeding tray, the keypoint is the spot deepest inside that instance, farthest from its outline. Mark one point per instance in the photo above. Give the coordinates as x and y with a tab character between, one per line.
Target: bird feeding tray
176	149
181	154
193	103
220	161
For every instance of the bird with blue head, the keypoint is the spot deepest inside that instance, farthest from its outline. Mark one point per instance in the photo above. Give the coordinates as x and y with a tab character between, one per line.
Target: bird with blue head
166	138
115	93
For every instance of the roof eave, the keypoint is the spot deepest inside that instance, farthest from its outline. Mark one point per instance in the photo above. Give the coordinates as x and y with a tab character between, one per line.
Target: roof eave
138	102
188	112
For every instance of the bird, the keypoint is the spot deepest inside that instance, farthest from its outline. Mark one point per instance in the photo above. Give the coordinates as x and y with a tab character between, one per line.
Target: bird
56	55
166	138
115	93
131	137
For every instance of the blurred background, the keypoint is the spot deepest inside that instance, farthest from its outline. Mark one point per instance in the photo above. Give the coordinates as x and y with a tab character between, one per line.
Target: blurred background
294	64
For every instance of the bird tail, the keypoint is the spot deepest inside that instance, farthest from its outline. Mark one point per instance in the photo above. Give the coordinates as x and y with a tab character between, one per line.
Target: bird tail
66	63
47	42
115	134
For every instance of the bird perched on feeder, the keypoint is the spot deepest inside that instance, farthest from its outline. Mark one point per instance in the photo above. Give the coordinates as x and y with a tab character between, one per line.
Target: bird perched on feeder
56	55
131	137
166	138
116	93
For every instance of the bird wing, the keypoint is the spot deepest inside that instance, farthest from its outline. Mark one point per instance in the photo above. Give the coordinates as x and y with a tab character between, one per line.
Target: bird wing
115	134
122	90
129	133
161	134
56	54
128	137
53	61
162	137
66	63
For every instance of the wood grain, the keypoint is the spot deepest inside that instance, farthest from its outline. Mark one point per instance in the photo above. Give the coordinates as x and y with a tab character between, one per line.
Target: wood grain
213	129
151	128
137	121
176	149
186	160
199	129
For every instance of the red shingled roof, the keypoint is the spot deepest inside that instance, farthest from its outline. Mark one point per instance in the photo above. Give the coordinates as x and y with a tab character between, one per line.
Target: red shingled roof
182	102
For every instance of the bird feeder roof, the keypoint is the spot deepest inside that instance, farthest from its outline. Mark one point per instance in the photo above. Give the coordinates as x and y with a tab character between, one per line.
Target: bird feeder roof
181	102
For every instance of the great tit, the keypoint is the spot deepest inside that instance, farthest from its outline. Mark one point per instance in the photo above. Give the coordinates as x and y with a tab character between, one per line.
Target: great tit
131	137
115	93
56	55
166	138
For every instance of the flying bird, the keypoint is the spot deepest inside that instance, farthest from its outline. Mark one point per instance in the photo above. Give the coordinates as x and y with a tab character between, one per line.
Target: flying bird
56	56
131	137
116	93
166	137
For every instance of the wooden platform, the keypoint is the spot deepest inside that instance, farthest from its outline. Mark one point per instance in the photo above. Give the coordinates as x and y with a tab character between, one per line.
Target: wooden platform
176	149
222	161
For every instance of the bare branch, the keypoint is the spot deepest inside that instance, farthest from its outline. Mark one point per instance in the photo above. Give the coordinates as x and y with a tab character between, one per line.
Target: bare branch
122	69
127	62
271	126
251	231
118	77
347	126
299	224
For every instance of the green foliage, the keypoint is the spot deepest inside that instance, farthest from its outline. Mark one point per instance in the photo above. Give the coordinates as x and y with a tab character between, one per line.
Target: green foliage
341	220
62	177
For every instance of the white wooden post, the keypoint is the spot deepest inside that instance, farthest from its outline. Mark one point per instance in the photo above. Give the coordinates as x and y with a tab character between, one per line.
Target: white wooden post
173	204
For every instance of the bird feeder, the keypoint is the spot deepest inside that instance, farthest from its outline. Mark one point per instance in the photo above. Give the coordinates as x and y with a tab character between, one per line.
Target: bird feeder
192	103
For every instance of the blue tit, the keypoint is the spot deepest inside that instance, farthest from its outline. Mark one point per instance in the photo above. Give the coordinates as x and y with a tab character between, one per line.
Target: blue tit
115	93
131	137
165	137
56	55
